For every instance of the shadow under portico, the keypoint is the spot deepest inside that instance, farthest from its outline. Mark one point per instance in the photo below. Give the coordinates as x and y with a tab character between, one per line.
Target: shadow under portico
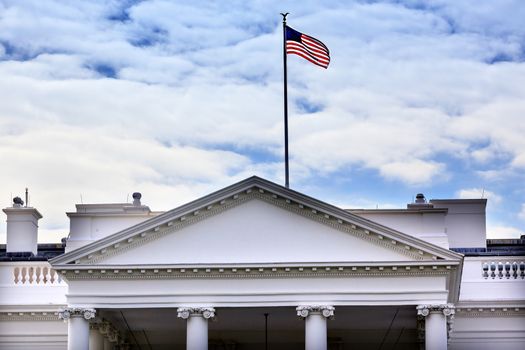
359	327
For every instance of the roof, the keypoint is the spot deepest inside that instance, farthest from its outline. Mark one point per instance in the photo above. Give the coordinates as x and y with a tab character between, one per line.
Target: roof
497	247
45	252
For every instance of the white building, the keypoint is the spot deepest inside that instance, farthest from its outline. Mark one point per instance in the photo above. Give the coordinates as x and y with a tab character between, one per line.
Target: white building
259	266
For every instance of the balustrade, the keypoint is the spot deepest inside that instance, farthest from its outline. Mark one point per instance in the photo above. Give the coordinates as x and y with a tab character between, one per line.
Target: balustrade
507	269
35	275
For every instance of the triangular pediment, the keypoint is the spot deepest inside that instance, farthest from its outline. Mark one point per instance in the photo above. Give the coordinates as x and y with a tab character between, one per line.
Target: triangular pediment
254	222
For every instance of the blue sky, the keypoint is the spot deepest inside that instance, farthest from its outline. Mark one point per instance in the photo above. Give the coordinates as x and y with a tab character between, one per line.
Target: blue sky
179	98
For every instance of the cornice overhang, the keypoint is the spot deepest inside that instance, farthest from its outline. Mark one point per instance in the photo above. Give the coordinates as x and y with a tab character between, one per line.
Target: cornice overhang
261	270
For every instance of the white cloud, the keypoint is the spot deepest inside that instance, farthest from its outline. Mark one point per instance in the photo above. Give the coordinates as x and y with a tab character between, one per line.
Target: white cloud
521	214
106	168
414	172
200	85
503	232
475	193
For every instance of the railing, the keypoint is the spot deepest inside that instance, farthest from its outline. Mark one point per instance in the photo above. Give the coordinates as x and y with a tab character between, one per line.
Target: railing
508	269
35	275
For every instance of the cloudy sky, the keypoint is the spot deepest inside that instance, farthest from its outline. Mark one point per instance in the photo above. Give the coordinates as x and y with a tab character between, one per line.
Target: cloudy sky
179	98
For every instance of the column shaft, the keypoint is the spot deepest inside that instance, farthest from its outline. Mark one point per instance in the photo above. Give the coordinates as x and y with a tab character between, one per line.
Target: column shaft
436	331
197	333
107	344
78	333
315	332
96	340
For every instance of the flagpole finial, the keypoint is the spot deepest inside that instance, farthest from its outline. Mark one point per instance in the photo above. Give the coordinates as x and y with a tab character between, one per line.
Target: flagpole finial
284	16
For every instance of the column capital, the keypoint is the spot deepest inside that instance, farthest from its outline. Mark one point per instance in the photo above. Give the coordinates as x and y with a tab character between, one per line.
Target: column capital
446	309
113	336
94	326
326	310
69	312
186	312
104	327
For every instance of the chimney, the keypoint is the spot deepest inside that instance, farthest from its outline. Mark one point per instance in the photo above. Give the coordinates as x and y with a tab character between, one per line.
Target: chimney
22	229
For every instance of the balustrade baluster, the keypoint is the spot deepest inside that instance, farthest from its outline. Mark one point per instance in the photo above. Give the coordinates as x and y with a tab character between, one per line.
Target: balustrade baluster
16	272
48	275
33	275
27	275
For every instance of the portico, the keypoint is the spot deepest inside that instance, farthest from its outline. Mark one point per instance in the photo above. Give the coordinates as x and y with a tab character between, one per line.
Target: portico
214	267
393	327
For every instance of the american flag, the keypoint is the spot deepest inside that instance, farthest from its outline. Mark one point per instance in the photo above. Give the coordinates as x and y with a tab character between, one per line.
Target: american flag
307	47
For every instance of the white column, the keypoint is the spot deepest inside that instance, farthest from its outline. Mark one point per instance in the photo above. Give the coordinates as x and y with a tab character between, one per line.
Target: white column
96	339
107	344
436	328
196	326
315	337
111	335
78	326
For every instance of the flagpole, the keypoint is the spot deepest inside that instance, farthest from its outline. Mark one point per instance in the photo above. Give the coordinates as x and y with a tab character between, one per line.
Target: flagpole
286	167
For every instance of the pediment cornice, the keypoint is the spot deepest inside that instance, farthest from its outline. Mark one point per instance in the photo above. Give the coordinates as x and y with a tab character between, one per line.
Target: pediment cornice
250	189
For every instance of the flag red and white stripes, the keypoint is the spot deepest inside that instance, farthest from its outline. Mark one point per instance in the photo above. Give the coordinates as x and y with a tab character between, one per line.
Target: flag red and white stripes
307	47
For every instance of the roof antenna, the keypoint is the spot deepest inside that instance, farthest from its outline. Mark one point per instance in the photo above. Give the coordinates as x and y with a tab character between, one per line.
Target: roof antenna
81	201
27	196
483	192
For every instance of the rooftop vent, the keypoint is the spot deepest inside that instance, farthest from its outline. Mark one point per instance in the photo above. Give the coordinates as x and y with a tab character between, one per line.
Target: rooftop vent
420	203
17	202
136	198
420	198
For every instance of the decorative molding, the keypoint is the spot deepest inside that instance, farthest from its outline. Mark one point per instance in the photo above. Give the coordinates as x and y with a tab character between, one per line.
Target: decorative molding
327	311
446	309
186	312
257	272
207	210
489	311
67	313
29	316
